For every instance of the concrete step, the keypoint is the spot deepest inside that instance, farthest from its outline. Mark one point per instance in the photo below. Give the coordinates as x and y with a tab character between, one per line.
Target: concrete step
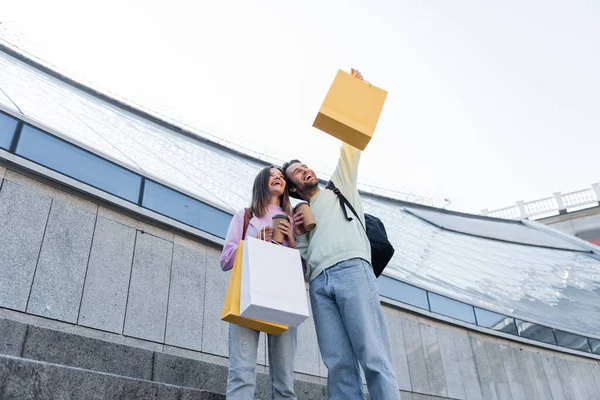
22	379
81	353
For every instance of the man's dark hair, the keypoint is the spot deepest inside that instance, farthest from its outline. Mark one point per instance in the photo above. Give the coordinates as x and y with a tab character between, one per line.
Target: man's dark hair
288	181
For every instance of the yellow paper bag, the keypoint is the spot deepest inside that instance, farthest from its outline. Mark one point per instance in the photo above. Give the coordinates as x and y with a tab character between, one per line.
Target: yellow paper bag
231	308
351	110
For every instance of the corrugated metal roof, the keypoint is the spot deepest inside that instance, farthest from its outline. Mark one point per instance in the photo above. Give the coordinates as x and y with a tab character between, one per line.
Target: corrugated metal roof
559	286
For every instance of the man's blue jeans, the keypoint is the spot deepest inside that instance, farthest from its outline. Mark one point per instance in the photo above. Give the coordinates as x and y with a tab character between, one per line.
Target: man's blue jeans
243	345
351	329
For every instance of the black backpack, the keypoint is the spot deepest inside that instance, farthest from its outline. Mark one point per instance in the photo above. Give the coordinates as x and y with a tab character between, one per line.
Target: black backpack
381	248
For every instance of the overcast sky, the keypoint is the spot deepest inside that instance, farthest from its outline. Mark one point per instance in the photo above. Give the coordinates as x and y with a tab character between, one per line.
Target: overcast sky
489	102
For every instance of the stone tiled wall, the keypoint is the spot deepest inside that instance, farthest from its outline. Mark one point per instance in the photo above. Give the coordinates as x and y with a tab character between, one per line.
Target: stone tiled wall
80	265
69	259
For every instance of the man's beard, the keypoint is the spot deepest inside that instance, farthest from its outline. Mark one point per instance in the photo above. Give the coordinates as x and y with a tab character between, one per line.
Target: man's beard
307	187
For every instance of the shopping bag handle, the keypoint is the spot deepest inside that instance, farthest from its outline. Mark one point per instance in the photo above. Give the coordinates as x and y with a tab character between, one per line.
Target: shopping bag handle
247	217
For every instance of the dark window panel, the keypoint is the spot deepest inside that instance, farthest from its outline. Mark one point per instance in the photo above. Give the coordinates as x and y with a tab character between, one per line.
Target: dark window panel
185	209
8	125
595	343
495	321
572	341
535	332
403	292
451	308
78	164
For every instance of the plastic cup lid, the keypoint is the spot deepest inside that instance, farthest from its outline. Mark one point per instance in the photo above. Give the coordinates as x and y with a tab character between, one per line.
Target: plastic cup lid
300	204
281	216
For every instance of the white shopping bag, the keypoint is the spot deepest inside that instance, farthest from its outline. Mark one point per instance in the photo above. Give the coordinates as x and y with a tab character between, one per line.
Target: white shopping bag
272	284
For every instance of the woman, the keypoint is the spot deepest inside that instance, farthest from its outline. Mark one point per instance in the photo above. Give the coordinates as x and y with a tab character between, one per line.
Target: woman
269	198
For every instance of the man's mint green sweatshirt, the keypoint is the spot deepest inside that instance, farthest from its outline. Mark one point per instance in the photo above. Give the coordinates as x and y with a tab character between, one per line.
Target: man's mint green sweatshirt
336	239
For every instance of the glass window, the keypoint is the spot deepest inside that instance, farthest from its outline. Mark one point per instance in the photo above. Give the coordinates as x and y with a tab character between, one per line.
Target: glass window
185	209
495	321
77	163
451	308
403	292
8	126
572	341
535	332
595	344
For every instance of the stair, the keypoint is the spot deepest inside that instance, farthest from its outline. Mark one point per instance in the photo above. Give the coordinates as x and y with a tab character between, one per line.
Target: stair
41	363
22	379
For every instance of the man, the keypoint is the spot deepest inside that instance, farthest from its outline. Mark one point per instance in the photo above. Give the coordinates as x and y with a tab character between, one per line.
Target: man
343	292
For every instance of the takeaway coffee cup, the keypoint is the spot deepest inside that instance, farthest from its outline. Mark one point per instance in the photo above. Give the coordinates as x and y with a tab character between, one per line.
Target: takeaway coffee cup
277	234
309	220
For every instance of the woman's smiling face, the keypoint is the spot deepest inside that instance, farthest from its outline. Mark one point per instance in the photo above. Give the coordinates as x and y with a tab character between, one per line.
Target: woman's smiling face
276	182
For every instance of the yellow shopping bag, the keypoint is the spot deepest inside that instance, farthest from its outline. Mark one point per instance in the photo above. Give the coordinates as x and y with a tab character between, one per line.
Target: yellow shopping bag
351	109
231	308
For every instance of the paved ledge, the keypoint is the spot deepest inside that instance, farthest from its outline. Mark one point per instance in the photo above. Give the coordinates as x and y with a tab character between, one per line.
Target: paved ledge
45	351
22	379
77	351
12	334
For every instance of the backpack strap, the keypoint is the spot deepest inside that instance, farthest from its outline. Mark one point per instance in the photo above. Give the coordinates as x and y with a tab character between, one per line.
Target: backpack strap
343	202
247	217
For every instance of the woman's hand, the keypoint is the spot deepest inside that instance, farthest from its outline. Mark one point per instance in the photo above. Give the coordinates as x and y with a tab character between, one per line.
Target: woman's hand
299	224
286	229
265	233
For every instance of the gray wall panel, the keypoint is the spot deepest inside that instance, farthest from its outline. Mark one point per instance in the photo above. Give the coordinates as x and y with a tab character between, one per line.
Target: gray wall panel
416	356
512	372
568	383
433	361
588	377
185	316
149	288
406	395
59	278
484	372
215	332
551	372
261	356
450	363
596	373
526	368
494	355
23	217
468	370
579	384
107	281
307	351
419	396
322	368
541	381
398	345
